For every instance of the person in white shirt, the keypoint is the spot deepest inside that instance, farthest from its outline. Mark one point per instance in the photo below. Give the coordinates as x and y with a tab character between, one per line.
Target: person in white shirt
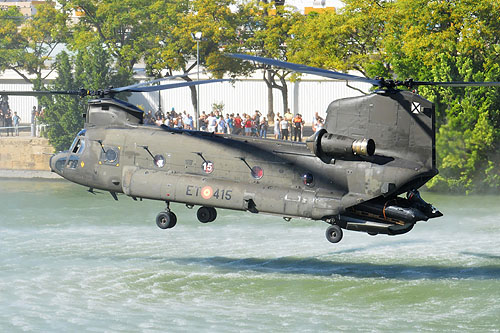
284	129
212	122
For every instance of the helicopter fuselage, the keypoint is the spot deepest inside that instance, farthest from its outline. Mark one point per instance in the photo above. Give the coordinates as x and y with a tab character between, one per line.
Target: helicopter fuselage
245	173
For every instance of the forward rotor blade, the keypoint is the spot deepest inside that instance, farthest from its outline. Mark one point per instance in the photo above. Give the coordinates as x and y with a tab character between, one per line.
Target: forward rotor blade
307	69
175	85
41	93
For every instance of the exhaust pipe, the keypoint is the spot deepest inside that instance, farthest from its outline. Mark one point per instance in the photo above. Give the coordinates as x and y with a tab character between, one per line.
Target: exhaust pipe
327	146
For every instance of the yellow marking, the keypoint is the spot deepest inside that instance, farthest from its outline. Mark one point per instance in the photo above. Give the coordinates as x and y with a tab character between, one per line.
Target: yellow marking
82	164
117	164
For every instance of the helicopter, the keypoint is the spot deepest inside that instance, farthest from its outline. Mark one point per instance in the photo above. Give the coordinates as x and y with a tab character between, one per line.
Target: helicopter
361	172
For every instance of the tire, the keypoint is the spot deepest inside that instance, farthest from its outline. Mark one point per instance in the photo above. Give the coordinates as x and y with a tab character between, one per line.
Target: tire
173	222
166	220
213	214
334	234
204	214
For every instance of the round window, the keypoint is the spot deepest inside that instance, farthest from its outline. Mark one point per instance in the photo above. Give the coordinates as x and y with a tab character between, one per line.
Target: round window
111	155
159	161
257	172
308	179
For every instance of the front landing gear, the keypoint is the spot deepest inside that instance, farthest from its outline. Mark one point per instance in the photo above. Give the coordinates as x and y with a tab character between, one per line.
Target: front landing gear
334	233
166	219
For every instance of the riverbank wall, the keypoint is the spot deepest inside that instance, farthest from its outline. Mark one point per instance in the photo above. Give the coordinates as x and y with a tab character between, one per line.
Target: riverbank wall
25	157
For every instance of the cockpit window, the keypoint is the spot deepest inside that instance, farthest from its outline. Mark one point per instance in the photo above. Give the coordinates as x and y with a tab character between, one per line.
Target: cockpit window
78	145
73	162
73	145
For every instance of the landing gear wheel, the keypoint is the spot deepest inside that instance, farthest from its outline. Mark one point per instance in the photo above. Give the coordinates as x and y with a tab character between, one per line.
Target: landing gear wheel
166	220
206	214
213	214
334	233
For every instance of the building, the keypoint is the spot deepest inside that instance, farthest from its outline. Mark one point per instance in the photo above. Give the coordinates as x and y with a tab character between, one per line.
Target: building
309	6
27	8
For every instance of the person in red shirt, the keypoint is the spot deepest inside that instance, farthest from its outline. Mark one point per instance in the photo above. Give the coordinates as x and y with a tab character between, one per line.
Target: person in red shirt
237	124
248	126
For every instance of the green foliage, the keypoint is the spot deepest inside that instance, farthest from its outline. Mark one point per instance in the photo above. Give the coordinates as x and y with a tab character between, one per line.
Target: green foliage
266	32
454	41
90	68
11	43
27	45
63	113
119	25
345	40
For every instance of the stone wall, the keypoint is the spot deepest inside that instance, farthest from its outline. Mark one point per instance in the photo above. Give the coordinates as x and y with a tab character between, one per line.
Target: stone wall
25	153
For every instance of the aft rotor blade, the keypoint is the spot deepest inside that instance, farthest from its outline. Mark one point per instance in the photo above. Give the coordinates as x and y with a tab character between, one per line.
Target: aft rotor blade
175	85
455	84
307	69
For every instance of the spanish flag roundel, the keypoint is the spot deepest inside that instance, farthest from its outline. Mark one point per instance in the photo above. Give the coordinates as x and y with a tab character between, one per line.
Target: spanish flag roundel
207	192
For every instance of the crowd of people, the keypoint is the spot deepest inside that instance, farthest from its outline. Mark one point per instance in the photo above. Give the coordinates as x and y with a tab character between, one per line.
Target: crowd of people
170	119
286	127
9	121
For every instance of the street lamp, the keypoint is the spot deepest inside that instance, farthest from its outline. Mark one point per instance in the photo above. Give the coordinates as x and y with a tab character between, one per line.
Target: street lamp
197	36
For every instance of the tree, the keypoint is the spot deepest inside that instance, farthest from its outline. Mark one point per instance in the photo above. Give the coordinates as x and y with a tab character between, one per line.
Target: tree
26	48
118	26
11	42
267	34
63	113
454	41
349	39
90	68
172	48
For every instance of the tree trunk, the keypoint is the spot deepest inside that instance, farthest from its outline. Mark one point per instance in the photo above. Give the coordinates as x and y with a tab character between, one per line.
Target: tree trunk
270	99
284	93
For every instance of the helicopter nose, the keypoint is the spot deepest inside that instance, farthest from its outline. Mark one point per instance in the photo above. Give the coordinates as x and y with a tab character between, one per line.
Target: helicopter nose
57	162
51	164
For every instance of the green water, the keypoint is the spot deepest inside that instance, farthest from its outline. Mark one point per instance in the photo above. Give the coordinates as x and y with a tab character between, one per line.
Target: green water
72	261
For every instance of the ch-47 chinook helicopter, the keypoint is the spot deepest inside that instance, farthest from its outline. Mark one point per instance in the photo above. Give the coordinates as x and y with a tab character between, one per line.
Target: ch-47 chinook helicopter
353	174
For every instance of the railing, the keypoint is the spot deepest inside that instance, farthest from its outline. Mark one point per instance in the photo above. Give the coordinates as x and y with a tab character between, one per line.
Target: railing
32	127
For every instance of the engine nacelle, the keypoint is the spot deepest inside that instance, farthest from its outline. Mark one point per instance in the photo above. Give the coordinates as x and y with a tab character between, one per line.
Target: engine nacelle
327	146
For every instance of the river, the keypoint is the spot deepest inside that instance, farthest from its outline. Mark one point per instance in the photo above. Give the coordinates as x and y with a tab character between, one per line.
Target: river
73	261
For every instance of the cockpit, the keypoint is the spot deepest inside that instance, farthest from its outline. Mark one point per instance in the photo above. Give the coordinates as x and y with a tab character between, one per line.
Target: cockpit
70	158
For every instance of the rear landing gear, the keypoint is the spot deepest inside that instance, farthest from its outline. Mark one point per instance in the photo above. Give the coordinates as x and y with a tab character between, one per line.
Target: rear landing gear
166	219
206	214
334	233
